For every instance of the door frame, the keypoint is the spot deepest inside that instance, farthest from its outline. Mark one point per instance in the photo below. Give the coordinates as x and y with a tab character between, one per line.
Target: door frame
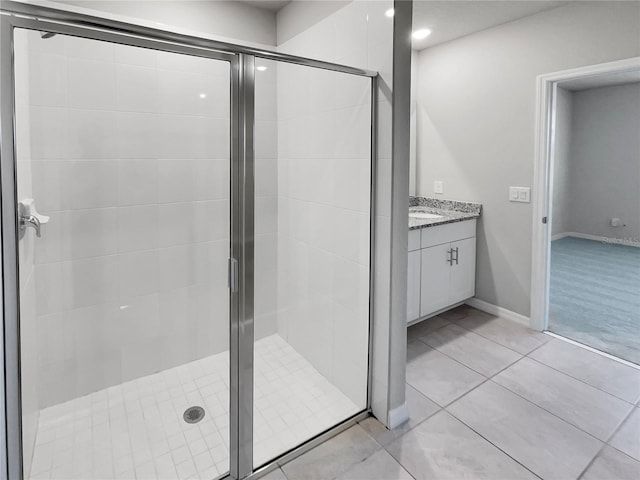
547	86
241	266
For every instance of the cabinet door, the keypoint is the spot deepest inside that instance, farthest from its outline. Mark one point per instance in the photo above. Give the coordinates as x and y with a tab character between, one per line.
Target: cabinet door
434	281
463	270
413	286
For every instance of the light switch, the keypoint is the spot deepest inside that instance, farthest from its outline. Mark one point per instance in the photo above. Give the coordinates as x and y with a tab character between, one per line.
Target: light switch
520	194
438	186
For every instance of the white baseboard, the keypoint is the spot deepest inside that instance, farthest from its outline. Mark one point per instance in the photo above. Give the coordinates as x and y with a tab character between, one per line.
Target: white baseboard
498	311
597	238
398	415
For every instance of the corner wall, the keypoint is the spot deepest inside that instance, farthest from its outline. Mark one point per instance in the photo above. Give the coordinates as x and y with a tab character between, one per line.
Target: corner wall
604	169
476	123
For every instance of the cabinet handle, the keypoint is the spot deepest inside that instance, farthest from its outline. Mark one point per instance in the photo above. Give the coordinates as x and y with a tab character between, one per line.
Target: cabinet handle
450	256
456	259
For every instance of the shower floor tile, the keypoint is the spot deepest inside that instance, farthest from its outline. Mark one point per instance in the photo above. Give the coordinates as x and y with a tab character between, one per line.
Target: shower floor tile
136	431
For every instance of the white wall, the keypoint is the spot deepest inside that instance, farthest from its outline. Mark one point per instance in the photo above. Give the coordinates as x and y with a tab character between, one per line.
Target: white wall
476	122
561	161
605	162
298	16
231	19
414	123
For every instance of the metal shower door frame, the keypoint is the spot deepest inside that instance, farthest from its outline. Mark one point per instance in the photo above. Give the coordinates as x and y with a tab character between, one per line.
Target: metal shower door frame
241	266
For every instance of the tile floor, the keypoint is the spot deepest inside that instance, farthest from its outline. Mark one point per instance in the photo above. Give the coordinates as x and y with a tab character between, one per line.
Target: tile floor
490	399
136	431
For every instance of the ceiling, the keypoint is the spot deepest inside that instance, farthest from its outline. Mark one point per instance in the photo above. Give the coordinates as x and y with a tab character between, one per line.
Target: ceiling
273	5
449	20
604	80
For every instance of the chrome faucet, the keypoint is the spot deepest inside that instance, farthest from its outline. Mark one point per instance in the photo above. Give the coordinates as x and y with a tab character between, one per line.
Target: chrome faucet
29	217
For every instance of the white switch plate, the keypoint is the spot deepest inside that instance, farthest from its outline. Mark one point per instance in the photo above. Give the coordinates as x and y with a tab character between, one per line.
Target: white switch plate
520	194
438	186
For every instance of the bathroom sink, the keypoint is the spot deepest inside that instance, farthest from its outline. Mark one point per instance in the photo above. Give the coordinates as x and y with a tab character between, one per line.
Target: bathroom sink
425	215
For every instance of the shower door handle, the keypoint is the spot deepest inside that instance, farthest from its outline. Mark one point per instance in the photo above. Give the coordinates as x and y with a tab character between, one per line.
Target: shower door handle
233	275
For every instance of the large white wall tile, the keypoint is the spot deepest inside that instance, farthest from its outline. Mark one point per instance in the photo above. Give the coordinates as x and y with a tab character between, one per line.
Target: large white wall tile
352	184
91	134
90	281
181	136
138	135
50	288
136	88
91	84
138	273
49	133
48	73
89	184
89	233
137	182
137	228
184	93
46	178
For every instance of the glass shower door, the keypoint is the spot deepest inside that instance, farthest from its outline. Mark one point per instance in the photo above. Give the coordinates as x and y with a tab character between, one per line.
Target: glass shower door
123	186
312	252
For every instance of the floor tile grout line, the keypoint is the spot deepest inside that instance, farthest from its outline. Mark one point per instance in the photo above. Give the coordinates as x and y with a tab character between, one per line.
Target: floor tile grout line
471	368
490	379
591	349
580	380
550	413
492	340
493	444
607	444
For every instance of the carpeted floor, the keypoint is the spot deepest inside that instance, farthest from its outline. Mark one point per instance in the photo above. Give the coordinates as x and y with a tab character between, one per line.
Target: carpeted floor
595	295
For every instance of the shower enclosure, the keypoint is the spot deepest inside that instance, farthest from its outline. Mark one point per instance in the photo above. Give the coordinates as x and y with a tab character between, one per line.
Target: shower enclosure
186	240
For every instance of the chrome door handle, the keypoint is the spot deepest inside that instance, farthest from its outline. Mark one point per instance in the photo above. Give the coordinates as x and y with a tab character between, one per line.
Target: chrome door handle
450	256
456	259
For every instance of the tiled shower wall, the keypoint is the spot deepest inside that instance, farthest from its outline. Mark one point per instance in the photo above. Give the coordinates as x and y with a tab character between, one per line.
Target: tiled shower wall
323	201
130	159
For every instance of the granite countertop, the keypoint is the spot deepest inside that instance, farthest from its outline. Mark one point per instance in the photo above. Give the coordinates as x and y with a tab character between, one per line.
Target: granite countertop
448	211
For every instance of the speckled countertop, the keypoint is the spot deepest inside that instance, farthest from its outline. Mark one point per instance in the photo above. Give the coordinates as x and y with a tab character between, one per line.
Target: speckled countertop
449	211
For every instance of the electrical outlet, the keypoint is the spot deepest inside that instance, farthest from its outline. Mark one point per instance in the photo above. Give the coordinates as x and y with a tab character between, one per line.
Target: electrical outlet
520	194
438	186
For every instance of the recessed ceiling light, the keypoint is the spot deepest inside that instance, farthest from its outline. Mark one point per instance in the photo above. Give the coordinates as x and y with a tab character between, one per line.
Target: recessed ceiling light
261	68
203	95
390	13
422	33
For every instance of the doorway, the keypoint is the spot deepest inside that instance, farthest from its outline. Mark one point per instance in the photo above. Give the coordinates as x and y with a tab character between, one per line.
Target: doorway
170	311
586	256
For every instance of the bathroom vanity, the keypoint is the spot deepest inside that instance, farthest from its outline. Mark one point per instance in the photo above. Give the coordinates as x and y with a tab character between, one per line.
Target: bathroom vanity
442	255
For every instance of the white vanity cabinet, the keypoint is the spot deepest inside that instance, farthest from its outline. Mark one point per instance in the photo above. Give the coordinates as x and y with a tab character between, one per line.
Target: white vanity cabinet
442	267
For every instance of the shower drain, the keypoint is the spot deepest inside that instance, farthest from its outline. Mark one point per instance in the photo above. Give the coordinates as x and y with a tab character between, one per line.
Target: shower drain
193	414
